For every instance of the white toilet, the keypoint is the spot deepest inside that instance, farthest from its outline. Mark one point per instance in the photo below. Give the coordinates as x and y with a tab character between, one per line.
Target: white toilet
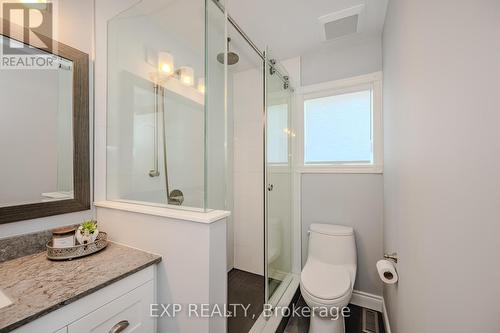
327	279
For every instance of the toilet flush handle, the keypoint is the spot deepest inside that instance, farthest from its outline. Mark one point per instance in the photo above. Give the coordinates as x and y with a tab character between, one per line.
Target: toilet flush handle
391	256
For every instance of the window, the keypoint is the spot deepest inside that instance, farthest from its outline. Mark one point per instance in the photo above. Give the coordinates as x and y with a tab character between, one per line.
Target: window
337	129
342	126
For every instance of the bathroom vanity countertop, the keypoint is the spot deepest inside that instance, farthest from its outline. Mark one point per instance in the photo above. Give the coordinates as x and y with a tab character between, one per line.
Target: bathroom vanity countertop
37	285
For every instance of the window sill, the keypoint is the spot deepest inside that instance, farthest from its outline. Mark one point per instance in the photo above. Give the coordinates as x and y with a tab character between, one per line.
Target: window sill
359	169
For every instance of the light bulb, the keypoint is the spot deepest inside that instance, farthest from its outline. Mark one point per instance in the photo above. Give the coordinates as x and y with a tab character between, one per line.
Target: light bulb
201	85
165	63
165	68
186	75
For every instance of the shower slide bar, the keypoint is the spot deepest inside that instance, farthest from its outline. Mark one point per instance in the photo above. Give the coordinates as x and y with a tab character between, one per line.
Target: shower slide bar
155	172
176	197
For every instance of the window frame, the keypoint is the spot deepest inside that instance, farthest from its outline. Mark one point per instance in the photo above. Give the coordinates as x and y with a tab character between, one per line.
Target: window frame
371	81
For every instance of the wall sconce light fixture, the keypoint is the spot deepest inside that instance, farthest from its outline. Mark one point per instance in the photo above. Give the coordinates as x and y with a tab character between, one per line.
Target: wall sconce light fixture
165	63
201	85
186	75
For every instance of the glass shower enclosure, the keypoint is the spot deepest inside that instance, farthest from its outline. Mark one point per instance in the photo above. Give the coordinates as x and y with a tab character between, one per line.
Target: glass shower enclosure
168	124
166	120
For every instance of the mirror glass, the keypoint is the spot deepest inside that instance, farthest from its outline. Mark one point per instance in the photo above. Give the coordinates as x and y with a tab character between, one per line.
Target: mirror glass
36	132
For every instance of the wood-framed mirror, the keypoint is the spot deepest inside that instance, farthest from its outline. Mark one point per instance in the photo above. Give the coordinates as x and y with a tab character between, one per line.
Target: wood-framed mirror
44	127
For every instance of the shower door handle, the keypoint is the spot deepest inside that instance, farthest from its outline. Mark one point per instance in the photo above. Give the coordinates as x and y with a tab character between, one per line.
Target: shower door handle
270	187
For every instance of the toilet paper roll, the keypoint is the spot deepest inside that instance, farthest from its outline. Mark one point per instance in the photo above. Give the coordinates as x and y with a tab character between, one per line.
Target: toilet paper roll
387	271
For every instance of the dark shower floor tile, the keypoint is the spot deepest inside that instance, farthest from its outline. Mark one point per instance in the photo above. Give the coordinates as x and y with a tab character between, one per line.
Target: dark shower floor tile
248	289
352	323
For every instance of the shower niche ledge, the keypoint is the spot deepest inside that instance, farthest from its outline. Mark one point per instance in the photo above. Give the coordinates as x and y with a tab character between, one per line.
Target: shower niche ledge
207	217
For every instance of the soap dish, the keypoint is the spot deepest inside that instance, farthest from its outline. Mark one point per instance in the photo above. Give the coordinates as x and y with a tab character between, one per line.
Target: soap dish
77	251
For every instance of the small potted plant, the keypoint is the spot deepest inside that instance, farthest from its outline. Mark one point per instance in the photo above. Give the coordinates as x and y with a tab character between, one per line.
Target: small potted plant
87	232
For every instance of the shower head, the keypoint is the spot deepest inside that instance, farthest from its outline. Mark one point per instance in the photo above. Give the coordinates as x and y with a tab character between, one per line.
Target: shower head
232	58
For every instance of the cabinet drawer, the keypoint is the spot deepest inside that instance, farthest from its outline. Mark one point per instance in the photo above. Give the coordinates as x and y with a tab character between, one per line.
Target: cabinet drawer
126	314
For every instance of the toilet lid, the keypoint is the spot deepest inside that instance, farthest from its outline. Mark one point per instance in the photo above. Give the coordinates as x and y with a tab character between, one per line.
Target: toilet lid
325	281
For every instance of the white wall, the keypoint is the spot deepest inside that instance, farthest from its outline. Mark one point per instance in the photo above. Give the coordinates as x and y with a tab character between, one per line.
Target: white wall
342	59
442	190
74	23
355	200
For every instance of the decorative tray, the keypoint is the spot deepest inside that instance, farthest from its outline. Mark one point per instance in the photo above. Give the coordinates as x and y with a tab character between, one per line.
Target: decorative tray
68	253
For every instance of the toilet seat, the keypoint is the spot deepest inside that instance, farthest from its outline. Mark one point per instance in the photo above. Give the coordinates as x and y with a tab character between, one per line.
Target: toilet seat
326	283
313	301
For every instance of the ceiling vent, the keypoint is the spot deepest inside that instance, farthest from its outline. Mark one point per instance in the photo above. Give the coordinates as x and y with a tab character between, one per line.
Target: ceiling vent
341	23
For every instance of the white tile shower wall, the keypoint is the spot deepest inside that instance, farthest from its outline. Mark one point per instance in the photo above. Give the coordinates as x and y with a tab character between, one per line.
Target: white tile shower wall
248	211
74	23
354	200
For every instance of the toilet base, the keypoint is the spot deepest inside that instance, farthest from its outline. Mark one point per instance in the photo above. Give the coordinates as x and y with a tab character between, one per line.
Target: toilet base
326	325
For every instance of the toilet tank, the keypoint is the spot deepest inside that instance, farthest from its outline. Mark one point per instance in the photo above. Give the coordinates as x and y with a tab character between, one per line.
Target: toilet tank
332	244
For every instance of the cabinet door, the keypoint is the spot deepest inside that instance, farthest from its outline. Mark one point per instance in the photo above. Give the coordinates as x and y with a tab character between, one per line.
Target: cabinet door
126	314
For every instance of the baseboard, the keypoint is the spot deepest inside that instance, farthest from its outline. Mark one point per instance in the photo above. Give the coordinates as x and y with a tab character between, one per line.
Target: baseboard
367	300
386	318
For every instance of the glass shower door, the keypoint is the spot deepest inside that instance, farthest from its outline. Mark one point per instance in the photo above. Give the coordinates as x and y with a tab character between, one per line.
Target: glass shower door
278	182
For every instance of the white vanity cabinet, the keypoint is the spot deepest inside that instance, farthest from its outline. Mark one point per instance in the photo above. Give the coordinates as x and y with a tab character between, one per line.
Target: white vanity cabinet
122	306
130	312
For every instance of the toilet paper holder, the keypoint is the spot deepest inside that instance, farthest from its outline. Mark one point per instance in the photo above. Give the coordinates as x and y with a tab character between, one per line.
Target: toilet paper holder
392	256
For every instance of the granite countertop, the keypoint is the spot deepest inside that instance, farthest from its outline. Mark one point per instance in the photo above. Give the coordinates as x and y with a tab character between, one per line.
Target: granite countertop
37	285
